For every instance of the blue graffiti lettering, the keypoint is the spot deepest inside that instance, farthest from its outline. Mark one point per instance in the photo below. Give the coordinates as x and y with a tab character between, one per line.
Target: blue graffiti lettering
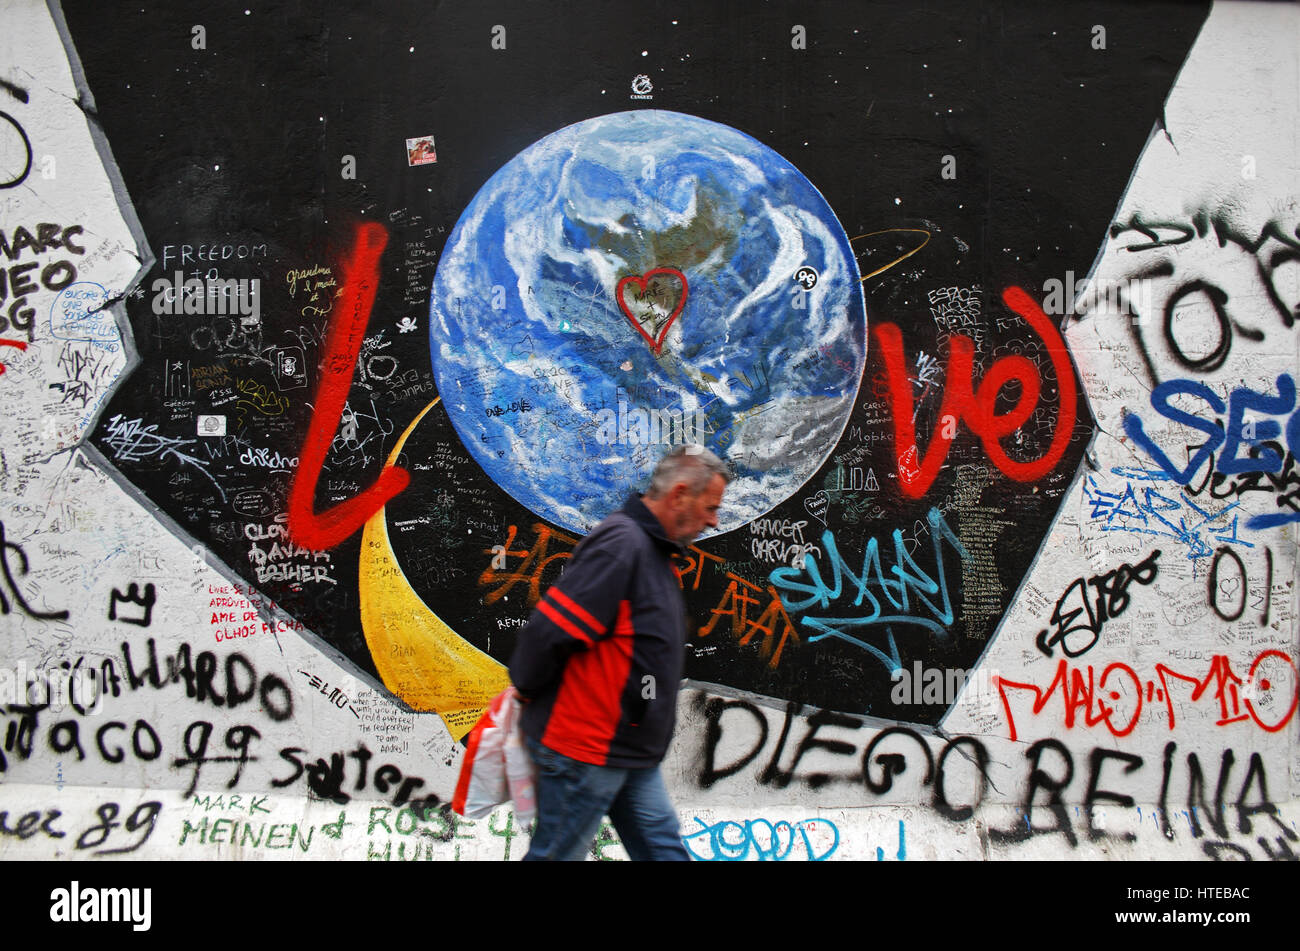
908	593
902	845
1148	512
730	841
1257	436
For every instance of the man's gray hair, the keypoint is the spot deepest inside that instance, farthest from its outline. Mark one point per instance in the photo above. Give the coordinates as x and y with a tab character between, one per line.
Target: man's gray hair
691	464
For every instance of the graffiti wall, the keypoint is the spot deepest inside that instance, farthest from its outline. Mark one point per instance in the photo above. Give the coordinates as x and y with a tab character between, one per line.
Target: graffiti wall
326	336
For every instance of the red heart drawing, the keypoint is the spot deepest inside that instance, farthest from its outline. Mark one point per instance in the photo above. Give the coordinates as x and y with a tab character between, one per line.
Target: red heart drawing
641	280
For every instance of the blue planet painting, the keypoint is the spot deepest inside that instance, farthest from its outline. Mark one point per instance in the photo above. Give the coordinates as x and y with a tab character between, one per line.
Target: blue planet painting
638	280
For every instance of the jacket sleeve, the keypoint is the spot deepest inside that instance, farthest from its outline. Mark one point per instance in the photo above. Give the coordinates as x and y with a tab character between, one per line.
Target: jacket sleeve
575	613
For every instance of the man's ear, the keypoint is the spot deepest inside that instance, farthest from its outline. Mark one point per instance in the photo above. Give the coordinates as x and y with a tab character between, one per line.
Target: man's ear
679	493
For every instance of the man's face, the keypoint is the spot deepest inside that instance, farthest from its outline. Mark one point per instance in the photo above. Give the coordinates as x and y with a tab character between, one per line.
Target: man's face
692	514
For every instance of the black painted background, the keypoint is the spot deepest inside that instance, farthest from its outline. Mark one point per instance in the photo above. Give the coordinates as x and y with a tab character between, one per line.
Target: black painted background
243	143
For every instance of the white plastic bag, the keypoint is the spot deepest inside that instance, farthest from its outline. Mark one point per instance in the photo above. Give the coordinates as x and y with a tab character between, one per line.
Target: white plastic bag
521	770
497	766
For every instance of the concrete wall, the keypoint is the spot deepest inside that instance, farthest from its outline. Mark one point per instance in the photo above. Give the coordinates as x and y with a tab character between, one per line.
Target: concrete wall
1009	568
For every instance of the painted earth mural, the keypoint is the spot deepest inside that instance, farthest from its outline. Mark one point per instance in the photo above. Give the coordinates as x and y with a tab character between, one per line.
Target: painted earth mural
644	266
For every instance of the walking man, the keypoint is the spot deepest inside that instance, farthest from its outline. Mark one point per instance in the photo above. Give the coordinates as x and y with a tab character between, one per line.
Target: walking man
599	664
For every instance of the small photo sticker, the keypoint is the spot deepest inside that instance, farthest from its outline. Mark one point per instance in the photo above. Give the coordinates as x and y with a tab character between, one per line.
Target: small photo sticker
420	151
212	426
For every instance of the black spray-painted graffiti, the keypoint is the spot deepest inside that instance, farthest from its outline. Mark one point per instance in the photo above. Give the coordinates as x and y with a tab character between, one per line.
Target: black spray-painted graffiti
49	822
1050	770
6	549
1084	618
13	129
1273	256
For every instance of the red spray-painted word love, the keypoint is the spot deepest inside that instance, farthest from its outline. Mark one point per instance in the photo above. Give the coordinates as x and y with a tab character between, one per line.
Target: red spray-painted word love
320	530
975	404
641	280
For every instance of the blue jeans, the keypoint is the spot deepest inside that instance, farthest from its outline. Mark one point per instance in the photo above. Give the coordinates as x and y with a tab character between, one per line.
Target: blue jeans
573	796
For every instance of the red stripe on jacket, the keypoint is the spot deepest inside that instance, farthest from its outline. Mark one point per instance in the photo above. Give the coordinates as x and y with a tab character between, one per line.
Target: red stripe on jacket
577	610
589	706
568	626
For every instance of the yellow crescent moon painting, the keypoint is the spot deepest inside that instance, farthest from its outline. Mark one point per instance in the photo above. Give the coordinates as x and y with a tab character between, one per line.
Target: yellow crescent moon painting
418	656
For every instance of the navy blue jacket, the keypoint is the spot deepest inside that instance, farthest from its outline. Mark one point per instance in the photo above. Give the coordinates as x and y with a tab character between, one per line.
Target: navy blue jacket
601	658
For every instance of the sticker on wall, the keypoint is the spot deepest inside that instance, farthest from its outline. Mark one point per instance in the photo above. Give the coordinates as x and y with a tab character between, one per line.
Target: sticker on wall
420	151
290	368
